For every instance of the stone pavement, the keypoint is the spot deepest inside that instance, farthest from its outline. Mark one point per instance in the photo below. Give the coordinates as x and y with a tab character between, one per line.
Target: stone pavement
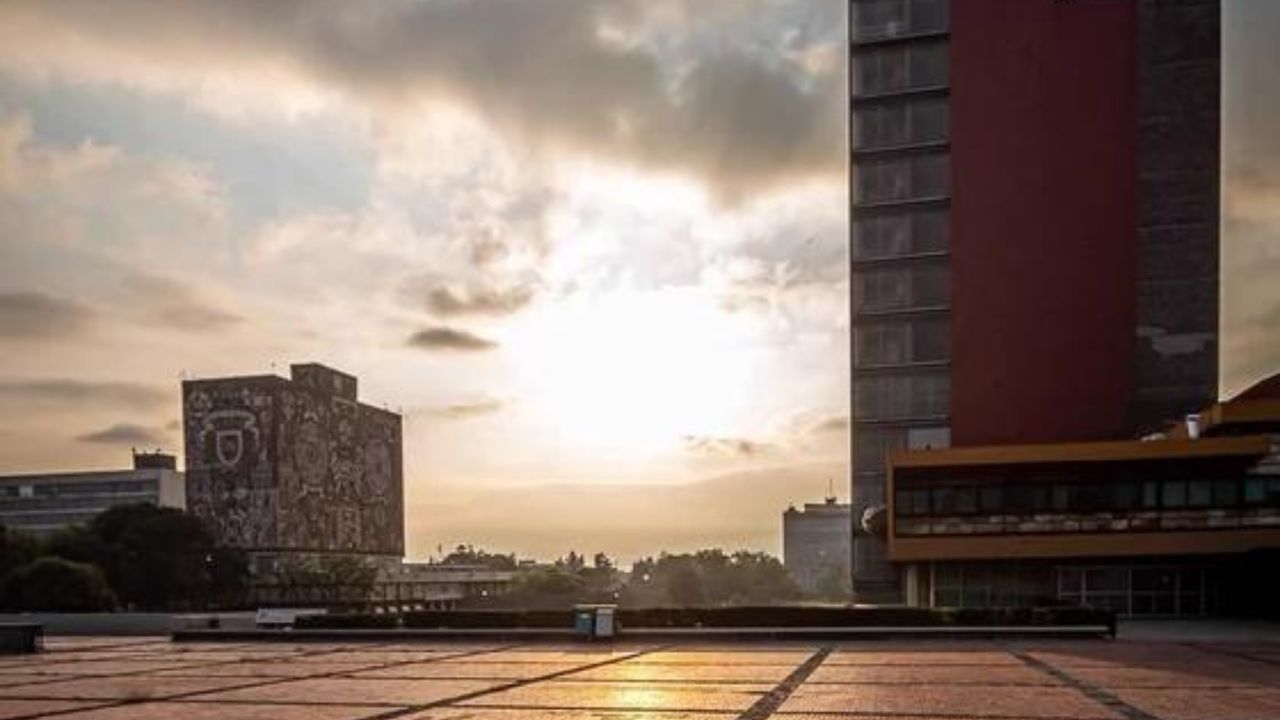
153	679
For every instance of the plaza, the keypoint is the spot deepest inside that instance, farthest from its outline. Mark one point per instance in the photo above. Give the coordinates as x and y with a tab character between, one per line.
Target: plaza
126	678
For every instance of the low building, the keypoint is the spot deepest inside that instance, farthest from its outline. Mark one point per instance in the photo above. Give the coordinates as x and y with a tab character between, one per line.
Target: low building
1183	523
294	470
816	546
46	502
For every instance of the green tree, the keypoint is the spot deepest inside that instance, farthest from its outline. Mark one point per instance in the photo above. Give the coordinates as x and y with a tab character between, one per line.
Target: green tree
153	557
52	584
468	555
17	548
686	588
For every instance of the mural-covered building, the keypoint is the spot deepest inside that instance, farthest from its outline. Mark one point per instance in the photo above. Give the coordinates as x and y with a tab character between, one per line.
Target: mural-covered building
294	467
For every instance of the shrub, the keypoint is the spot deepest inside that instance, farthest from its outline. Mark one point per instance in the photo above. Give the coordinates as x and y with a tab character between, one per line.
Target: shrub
437	619
361	621
52	584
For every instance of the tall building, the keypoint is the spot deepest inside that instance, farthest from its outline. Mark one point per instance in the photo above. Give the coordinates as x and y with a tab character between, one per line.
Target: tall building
294	467
1034	203
815	545
43	503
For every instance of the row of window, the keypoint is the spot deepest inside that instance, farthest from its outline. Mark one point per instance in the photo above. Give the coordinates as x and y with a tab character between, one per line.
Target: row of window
898	234
902	287
876	19
902	340
903	396
1071	498
900	179
895	123
900	67
75	489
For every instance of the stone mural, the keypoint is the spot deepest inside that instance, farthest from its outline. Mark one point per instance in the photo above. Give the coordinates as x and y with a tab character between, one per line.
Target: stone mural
280	465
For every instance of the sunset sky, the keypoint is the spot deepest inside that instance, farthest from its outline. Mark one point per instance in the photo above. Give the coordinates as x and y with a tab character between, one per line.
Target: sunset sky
580	245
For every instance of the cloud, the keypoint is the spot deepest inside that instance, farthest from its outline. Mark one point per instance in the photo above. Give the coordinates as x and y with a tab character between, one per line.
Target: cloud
74	393
164	302
756	106
27	315
449	339
126	434
449	301
832	424
707	446
465	411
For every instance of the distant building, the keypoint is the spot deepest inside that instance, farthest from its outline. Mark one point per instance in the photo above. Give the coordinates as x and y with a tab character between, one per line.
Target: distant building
294	468
816	544
46	502
1183	523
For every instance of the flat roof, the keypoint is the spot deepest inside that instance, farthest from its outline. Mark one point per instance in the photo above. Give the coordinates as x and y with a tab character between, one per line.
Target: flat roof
1085	452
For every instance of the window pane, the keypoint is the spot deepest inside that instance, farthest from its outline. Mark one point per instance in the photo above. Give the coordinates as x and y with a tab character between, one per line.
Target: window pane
1175	494
1226	493
1200	493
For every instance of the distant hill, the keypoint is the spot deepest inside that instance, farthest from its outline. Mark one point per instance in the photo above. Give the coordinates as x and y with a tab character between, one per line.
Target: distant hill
732	511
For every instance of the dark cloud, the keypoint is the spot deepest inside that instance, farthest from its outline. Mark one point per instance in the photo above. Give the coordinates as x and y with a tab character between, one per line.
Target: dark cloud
168	303
448	301
832	424
583	75
464	411
25	315
449	339
726	446
126	434
66	392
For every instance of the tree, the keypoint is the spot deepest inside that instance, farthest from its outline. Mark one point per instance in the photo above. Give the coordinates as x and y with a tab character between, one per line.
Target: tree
685	587
17	548
153	557
52	584
468	555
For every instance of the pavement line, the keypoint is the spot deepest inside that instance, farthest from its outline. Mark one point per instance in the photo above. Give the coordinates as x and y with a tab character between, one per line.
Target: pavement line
1239	654
772	700
246	686
1093	692
511	685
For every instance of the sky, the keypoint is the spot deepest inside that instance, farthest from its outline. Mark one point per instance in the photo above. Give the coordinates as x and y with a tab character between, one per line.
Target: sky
588	249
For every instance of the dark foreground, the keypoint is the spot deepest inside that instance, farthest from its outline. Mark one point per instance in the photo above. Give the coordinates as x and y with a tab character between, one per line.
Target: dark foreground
119	678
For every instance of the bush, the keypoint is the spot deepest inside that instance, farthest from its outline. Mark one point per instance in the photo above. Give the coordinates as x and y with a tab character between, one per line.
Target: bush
352	621
52	584
438	619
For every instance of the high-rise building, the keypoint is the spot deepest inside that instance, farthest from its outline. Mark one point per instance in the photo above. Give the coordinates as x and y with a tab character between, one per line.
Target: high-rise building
1034	204
294	468
815	546
47	502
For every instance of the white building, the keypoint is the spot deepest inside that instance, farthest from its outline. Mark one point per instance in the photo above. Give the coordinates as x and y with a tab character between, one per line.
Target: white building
43	503
816	544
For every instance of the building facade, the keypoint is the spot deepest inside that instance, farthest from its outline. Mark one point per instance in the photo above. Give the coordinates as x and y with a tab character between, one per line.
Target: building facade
294	468
44	503
816	546
1034	204
1186	523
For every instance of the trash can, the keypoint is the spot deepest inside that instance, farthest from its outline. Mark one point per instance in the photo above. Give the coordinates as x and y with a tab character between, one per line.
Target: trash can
592	622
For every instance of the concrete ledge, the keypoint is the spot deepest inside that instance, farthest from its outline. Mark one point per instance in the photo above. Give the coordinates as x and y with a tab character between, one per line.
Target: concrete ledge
557	634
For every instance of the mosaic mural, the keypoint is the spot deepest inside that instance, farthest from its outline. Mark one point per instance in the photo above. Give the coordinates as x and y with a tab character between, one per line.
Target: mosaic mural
280	465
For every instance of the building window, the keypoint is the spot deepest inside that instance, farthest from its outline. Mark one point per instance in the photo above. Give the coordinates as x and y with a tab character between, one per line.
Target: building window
921	285
885	180
889	235
898	68
874	19
895	123
1175	494
903	396
902	340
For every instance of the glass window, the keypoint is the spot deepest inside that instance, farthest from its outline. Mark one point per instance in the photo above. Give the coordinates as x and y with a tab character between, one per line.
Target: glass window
966	500
902	178
944	501
1060	497
990	499
1200	493
898	122
1124	495
903	396
871	445
1255	490
1226	493
924	438
1175	494
896	341
1151	494
895	234
879	18
1027	498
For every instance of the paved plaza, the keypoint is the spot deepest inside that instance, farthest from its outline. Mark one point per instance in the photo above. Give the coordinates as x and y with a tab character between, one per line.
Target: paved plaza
152	678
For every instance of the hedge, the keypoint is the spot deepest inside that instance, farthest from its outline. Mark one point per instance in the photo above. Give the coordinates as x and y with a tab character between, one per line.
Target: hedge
729	617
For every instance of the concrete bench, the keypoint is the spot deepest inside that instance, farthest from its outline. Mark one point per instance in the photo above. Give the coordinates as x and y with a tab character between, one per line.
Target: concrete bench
21	638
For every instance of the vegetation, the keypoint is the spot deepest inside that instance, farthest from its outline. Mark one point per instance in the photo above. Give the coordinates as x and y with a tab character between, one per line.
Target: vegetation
148	557
51	584
468	555
709	578
325	578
